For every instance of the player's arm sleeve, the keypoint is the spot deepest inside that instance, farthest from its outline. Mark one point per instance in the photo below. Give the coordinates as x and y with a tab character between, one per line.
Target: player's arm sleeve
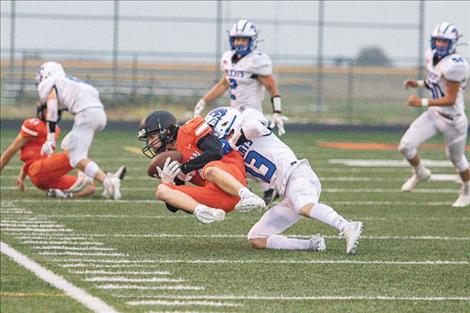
261	65
458	72
211	151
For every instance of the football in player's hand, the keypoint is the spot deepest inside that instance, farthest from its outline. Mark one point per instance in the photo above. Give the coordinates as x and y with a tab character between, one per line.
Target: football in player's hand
159	160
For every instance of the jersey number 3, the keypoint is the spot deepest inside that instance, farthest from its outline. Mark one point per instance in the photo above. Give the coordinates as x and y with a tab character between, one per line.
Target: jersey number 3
233	86
260	167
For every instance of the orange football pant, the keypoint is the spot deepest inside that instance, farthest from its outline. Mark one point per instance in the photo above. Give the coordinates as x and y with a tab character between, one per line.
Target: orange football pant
51	172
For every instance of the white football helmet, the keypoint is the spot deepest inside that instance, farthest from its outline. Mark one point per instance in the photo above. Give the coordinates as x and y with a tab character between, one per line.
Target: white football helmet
243	29
49	69
223	120
448	32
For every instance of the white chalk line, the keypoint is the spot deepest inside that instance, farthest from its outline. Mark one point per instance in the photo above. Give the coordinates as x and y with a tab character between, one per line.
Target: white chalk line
72	248
73	243
36	230
91	302
183	303
122	279
300	298
387	163
83	253
119	266
48	237
139	287
102	272
163	235
66	262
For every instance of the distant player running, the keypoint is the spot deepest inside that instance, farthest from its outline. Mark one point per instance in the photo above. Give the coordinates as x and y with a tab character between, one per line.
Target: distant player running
446	80
247	72
46	172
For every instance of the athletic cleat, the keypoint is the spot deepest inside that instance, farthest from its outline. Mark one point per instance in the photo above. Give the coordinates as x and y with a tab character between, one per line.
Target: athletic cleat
112	187
112	183
120	172
352	233
464	198
57	193
317	243
269	196
207	215
81	183
249	202
415	179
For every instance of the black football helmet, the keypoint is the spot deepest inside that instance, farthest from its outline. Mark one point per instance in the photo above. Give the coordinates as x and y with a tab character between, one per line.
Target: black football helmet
41	112
162	123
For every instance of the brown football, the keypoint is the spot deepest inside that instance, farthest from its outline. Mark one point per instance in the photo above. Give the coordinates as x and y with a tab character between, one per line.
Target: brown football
159	160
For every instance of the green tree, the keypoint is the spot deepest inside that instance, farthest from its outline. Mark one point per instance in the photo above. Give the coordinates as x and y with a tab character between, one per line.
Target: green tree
373	56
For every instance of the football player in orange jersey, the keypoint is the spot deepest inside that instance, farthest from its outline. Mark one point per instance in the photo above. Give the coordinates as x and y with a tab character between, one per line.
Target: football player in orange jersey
46	172
220	180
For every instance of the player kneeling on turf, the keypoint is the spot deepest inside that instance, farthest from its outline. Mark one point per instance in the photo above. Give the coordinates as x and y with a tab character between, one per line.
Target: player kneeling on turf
269	160
219	180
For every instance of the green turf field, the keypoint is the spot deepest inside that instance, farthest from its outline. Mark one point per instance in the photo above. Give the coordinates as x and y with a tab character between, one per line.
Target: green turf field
138	257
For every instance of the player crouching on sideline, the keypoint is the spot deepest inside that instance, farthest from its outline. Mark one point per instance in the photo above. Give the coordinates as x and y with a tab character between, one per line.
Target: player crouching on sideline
46	172
270	160
448	74
220	181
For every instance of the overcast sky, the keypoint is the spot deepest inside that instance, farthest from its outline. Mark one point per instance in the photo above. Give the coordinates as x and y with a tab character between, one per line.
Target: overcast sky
281	40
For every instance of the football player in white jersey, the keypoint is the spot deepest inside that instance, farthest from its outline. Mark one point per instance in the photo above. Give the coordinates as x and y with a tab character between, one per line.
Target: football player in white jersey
270	160
246	74
64	93
447	79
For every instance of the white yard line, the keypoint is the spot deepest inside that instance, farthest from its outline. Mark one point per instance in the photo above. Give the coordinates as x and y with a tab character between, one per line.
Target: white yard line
35	230
53	243
387	163
83	253
122	279
163	235
100	266
49	237
297	298
235	261
73	248
183	303
91	302
138	287
101	272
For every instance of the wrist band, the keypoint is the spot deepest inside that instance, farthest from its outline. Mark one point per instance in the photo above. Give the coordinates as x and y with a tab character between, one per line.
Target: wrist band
420	83
424	102
276	102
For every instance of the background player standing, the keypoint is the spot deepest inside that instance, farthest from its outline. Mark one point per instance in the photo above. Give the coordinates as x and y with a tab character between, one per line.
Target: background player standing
246	74
446	80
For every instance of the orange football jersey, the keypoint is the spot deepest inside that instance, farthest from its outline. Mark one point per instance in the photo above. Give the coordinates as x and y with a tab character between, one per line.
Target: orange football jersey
188	136
34	129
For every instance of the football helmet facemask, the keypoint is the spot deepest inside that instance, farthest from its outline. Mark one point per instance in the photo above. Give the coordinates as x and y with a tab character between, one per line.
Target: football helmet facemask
223	121
243	29
447	32
159	127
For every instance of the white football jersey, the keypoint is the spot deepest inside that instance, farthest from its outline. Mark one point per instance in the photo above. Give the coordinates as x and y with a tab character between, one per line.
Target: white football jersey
267	158
73	94
454	68
245	90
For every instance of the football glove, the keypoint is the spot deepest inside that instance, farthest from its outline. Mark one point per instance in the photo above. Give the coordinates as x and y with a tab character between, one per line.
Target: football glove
201	104
49	146
170	170
278	121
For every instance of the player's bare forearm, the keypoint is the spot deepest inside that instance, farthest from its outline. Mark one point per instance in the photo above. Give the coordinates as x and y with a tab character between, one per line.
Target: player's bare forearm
270	84
11	151
217	90
448	100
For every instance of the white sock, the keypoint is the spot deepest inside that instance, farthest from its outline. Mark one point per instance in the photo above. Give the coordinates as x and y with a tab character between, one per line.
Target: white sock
328	215
419	169
280	242
243	192
91	169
